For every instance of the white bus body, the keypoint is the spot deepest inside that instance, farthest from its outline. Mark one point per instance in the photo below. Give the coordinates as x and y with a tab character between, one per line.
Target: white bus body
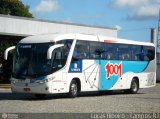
79	62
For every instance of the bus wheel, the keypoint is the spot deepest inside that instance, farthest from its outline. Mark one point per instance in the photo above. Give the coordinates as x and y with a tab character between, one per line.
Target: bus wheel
134	86
40	96
73	90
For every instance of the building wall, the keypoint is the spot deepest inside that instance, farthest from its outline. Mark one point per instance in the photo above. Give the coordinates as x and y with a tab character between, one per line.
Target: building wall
158	66
12	25
158	71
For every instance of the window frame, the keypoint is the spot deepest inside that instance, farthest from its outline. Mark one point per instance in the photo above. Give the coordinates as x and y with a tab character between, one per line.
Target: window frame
116	50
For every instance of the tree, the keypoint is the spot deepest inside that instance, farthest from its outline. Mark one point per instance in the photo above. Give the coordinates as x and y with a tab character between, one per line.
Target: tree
6	65
15	8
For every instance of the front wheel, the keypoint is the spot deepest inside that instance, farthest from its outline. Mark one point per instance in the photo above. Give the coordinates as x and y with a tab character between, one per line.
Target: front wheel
73	90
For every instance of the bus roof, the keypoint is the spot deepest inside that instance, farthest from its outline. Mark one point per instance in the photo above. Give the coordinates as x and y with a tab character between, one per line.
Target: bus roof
44	38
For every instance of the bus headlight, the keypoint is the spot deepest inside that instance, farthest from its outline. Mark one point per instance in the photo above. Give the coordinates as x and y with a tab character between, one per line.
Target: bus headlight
46	80
41	82
52	78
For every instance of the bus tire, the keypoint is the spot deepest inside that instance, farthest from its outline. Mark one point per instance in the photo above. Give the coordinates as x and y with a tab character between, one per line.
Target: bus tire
134	86
73	90
40	96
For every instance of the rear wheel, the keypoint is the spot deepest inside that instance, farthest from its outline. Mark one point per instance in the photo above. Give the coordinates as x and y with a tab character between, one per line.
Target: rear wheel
134	86
73	90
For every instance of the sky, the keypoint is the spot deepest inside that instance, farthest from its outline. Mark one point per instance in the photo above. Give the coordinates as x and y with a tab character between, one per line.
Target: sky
132	18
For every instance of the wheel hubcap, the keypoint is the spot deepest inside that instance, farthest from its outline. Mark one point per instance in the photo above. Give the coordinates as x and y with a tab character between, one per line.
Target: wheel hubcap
74	89
134	87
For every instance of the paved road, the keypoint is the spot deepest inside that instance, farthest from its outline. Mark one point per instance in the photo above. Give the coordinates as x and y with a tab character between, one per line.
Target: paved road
146	101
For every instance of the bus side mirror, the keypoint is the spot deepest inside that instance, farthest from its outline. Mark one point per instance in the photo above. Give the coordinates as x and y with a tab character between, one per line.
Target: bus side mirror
7	50
50	50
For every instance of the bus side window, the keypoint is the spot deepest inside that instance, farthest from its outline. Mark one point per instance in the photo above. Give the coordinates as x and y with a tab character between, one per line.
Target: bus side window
67	45
110	51
96	50
124	52
58	58
137	53
81	50
149	53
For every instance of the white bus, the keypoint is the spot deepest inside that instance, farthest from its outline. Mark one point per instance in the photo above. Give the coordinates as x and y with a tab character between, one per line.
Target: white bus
73	63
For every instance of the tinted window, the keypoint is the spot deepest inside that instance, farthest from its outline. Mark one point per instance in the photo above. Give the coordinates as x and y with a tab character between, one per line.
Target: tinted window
65	42
110	52
137	53
81	50
149	53
124	52
96	50
59	58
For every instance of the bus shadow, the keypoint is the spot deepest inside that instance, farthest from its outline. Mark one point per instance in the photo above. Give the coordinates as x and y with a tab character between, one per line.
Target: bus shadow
105	93
12	96
31	97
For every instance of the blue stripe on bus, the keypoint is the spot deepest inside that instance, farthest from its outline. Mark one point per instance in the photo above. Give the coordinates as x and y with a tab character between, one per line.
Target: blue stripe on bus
127	66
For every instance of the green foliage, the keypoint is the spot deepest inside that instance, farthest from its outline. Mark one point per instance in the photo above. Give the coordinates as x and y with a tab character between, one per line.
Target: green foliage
15	8
6	65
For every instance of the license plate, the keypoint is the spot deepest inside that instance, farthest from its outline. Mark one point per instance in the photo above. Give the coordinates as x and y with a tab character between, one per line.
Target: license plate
27	89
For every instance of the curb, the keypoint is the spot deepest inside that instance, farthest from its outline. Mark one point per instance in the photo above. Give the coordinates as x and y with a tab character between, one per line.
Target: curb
5	90
5	87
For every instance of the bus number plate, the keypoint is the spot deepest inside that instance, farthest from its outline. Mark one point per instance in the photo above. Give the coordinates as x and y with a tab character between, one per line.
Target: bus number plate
27	89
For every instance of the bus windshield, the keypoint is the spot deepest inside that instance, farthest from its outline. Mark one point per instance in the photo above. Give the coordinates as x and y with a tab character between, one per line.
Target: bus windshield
31	60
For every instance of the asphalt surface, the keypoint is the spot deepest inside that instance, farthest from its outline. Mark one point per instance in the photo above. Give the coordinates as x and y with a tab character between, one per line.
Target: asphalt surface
146	101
